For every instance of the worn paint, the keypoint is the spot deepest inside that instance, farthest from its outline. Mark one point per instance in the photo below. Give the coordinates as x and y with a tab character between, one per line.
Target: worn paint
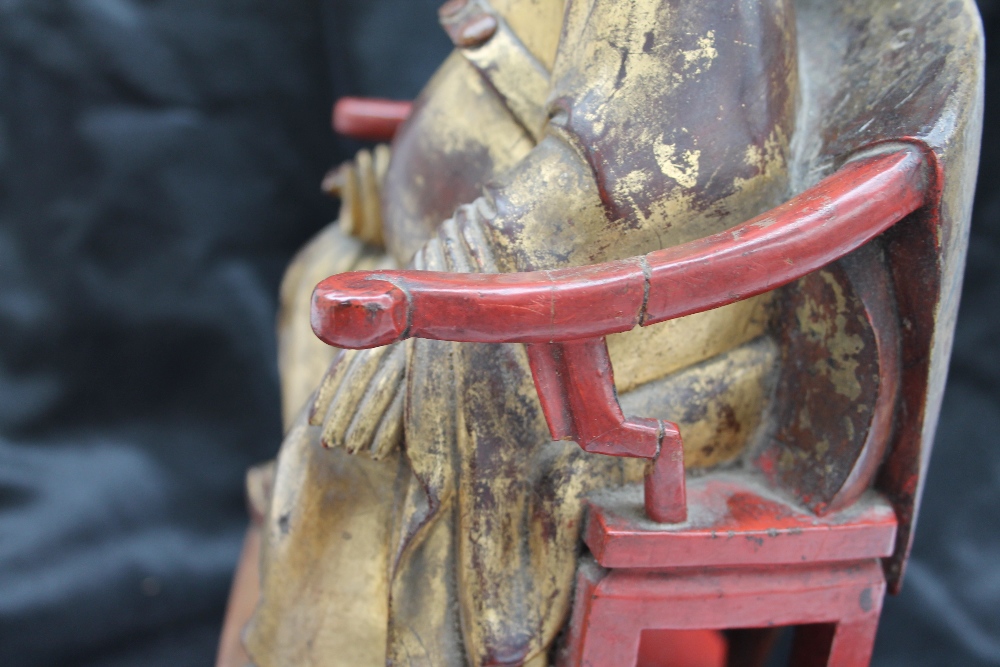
590	191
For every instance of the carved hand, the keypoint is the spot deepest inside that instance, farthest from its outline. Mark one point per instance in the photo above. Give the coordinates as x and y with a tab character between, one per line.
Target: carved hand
358	183
359	403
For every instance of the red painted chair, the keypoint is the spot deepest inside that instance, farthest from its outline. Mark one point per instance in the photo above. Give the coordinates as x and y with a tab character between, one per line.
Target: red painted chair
745	559
728	551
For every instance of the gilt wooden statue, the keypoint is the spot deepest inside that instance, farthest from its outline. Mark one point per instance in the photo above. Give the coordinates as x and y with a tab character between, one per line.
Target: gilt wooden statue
641	325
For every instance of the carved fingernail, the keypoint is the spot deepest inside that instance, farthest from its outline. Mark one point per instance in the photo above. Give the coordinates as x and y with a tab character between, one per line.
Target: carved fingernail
477	31
451	8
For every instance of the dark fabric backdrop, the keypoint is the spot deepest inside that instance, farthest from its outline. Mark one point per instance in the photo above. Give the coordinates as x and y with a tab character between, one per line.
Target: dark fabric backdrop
159	164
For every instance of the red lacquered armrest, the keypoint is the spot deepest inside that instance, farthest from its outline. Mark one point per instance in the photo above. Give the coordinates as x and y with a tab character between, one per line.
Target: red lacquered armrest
368	309
564	315
369	119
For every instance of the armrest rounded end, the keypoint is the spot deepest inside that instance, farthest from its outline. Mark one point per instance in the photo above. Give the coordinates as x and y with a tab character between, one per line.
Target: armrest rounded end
359	311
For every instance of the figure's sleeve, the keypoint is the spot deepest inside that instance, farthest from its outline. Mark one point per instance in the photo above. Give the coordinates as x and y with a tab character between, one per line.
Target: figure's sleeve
666	122
546	212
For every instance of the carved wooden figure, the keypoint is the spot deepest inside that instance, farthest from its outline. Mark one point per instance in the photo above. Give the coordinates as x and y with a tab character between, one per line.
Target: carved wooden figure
742	223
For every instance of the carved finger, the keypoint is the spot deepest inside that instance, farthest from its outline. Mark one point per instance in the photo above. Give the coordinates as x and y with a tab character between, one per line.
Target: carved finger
329	385
350	393
350	210
431	256
419	262
374	226
358	183
369	227
381	392
456	253
389	435
473	234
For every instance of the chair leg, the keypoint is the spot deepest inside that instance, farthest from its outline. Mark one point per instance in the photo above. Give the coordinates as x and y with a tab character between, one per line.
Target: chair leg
854	643
845	644
595	639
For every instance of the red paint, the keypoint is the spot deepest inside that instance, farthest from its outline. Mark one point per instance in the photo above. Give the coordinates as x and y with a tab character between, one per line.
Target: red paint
682	648
733	524
825	223
564	314
739	558
840	603
745	559
575	384
576	387
665	487
368	119
534	307
373	309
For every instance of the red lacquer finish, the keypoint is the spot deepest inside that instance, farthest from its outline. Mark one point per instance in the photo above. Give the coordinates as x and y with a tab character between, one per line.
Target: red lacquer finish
576	386
683	648
376	308
724	552
838	605
736	521
368	119
839	215
563	315
665	486
746	558
535	307
575	383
